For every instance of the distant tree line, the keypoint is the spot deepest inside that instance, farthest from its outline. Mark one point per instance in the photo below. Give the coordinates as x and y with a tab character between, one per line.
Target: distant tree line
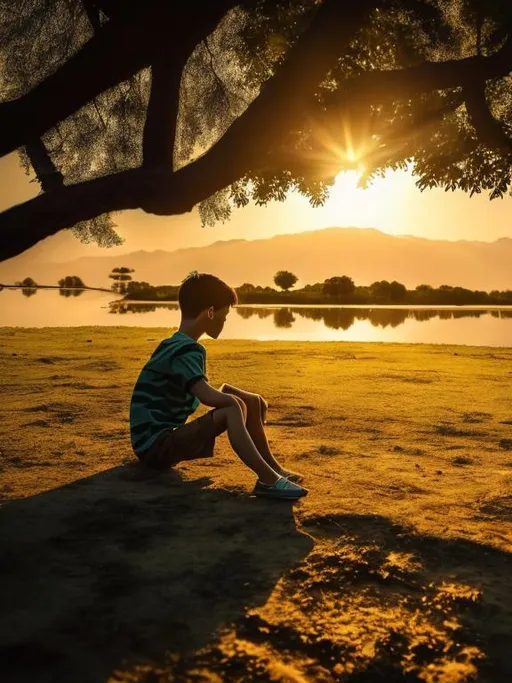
337	290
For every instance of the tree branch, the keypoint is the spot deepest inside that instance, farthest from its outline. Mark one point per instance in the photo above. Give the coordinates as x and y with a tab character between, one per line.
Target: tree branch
93	14
112	9
323	163
162	192
379	87
245	146
488	129
106	59
120	49
25	224
47	174
282	100
162	112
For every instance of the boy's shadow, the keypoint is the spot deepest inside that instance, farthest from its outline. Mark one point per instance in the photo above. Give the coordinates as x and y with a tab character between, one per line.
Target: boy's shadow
127	565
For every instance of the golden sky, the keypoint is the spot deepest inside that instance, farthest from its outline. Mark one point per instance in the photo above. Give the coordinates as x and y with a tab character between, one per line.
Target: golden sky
393	205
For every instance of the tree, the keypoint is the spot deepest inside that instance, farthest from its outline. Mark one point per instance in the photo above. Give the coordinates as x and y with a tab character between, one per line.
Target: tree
121	277
135	287
162	106
71	285
397	292
285	279
70	282
339	287
28	286
381	291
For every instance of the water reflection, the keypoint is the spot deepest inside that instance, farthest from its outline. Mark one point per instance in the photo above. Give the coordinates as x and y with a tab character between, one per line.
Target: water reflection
123	307
283	318
335	318
29	291
64	291
73	306
344	318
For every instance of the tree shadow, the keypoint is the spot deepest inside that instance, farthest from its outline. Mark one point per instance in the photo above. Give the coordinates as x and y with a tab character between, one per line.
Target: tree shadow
128	566
374	602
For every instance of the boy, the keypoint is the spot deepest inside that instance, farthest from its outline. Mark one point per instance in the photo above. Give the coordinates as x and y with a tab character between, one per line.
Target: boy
173	383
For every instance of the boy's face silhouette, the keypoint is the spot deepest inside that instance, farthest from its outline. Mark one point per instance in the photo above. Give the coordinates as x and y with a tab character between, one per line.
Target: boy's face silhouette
214	321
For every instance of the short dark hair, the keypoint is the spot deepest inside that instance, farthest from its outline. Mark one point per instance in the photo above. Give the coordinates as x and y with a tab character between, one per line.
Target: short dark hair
202	290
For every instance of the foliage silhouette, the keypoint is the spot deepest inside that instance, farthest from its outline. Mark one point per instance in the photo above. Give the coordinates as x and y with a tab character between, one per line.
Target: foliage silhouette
285	280
119	105
121	277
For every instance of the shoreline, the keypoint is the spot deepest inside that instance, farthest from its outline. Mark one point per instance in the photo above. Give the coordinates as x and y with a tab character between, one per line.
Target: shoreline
419	307
136	329
80	289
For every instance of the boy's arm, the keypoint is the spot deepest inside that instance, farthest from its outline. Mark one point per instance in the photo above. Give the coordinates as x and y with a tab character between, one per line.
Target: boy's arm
209	396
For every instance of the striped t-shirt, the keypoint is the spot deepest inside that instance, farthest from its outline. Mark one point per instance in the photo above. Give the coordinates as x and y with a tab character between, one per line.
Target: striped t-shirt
161	397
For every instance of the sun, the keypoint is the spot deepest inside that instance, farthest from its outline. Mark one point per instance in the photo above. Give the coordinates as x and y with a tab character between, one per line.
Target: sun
351	205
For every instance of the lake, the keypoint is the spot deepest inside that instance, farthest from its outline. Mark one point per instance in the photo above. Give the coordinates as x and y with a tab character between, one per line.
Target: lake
475	326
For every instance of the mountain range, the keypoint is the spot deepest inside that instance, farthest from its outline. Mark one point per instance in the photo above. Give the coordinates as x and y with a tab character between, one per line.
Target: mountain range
364	254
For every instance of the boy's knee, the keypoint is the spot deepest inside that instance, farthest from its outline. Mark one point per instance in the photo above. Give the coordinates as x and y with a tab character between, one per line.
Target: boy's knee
254	405
242	405
263	408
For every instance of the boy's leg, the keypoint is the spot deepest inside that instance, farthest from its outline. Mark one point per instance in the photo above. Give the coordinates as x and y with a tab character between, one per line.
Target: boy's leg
256	409
233	419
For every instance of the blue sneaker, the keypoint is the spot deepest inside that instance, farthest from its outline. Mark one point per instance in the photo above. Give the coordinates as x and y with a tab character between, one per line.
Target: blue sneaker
283	488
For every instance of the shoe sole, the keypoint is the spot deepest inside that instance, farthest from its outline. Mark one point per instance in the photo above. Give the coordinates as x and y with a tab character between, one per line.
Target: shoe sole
265	494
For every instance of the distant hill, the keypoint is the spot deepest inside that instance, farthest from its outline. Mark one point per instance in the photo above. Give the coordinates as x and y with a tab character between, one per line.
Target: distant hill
365	254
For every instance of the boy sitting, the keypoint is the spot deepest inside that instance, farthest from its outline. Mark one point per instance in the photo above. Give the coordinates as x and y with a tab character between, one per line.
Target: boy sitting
173	383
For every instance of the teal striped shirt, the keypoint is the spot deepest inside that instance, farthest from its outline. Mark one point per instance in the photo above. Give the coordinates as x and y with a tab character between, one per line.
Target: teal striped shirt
161	397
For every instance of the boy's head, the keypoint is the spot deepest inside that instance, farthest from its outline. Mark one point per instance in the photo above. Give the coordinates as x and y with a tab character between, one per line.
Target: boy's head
206	299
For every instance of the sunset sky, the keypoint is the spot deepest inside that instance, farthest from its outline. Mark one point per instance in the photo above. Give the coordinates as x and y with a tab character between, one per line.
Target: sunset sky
393	205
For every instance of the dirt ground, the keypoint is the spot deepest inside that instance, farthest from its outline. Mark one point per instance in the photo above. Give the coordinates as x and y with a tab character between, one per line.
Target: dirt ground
396	567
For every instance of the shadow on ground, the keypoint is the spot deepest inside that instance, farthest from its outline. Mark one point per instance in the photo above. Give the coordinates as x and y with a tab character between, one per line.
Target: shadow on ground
133	577
126	566
374	602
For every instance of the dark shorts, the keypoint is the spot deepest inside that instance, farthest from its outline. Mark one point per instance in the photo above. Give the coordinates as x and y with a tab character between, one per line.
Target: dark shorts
192	441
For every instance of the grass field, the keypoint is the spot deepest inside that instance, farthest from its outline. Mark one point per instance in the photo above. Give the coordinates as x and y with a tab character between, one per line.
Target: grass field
396	567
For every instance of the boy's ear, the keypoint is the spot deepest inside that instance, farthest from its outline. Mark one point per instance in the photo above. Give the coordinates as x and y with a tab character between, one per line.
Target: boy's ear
211	312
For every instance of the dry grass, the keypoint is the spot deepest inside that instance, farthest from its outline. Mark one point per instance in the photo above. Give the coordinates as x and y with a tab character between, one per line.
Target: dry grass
395	568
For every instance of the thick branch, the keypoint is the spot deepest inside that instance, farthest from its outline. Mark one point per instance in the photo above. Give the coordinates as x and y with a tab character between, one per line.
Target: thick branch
25	224
108	58
120	49
93	14
47	174
374	87
281	101
111	8
162	112
489	130
162	192
393	143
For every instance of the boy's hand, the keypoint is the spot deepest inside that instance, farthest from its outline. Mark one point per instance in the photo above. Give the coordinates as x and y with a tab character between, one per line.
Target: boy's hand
209	396
245	395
